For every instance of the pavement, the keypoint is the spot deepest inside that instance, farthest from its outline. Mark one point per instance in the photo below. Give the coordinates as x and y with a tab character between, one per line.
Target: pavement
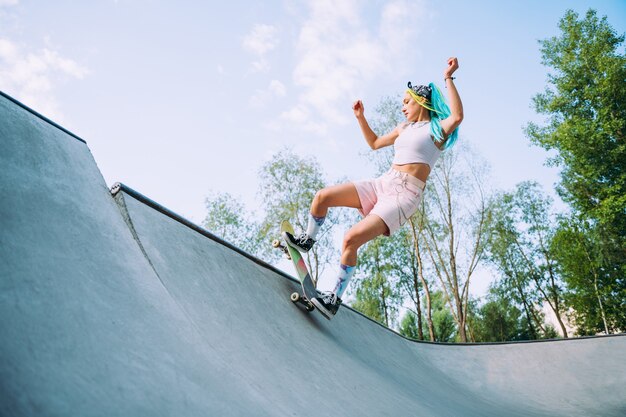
112	305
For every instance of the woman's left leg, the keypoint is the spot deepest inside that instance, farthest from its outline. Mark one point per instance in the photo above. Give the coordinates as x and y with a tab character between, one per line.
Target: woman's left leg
358	235
367	229
361	233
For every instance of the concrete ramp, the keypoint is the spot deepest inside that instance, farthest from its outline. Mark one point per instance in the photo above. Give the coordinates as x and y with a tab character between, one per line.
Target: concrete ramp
113	305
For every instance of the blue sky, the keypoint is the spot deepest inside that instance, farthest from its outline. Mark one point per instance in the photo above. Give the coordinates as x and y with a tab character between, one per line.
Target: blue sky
177	99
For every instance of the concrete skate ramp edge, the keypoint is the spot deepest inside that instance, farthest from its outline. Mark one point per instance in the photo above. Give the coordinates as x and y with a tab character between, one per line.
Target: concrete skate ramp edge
113	305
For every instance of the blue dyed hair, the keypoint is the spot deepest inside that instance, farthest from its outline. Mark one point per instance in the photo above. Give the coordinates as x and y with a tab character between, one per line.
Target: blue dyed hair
430	97
439	110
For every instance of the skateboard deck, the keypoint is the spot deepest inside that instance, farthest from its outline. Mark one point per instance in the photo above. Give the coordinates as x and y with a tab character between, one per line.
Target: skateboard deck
308	287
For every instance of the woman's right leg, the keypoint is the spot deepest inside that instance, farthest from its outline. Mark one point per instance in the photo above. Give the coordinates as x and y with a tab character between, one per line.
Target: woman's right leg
343	195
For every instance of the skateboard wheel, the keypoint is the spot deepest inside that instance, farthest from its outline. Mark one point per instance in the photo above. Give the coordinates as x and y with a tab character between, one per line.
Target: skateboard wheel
276	243
295	297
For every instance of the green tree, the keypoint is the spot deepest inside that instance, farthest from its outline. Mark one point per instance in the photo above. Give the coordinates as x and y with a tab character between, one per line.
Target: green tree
514	277
413	271
445	329
227	218
288	184
375	293
499	320
598	301
457	212
585	105
521	232
409	326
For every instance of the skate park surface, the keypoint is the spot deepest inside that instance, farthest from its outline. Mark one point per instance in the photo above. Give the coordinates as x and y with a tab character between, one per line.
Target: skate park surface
114	306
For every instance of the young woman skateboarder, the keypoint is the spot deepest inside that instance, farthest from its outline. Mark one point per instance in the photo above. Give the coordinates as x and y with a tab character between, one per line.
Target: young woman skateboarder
388	201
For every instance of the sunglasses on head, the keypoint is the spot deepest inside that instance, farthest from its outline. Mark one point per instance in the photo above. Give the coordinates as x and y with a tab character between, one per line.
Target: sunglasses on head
421	90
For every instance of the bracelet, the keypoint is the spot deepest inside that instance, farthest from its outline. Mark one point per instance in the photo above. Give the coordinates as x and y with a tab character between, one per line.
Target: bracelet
452	78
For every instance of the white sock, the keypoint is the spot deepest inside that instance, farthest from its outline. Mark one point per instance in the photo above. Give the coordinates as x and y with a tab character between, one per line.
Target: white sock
345	273
315	223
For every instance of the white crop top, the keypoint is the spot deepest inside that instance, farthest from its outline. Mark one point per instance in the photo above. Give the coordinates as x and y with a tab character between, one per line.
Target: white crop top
415	145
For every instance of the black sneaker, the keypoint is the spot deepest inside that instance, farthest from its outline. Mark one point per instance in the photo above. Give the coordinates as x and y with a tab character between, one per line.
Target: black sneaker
303	243
327	303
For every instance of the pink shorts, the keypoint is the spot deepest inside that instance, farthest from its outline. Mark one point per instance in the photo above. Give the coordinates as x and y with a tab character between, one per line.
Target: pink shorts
394	197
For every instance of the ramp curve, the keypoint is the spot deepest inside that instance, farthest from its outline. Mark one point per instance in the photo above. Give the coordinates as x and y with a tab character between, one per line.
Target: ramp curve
116	306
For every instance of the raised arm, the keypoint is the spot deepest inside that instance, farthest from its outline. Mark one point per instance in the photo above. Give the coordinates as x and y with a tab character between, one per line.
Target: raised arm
374	141
456	107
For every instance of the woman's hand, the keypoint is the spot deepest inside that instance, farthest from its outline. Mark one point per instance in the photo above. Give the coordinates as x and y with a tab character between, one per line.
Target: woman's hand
357	108
453	121
453	65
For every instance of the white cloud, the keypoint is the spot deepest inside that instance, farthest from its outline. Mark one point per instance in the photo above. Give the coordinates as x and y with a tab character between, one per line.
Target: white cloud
297	115
32	76
338	52
54	61
260	41
277	88
262	97
300	116
8	2
262	65
8	50
398	27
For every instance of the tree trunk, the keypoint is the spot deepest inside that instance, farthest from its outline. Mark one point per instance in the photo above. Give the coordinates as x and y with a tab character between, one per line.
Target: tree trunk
553	288
461	320
531	328
383	297
595	287
418	304
557	311
420	273
535	277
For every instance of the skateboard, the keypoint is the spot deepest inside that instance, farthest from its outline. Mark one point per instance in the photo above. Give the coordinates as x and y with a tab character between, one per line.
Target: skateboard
308	286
